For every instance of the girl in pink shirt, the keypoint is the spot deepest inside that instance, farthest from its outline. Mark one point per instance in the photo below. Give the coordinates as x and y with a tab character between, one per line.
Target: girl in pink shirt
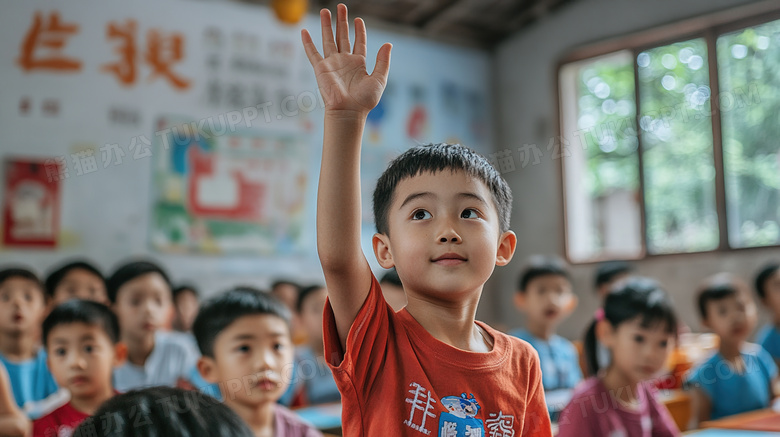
639	328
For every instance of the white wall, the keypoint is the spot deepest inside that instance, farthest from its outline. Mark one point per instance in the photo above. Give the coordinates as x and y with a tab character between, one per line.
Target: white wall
525	80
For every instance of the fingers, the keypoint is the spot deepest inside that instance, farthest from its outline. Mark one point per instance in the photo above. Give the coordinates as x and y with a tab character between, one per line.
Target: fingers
360	38
311	49
382	67
342	28
328	43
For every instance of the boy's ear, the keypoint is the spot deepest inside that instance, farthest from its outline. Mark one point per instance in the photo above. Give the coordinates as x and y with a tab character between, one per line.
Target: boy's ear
605	333
207	368
571	305
120	354
506	248
381	244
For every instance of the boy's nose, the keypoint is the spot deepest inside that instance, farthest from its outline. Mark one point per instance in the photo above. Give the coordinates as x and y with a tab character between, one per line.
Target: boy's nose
448	234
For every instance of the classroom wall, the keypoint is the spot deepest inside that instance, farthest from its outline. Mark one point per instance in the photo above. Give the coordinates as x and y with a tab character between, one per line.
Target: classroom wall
525	79
108	214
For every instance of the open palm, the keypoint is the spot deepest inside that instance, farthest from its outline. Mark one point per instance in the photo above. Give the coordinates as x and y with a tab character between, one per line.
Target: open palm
341	76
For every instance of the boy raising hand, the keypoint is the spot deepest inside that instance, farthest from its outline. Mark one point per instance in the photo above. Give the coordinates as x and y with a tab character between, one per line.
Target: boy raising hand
442	216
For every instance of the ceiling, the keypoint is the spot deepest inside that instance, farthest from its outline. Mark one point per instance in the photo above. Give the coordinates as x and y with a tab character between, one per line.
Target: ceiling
481	23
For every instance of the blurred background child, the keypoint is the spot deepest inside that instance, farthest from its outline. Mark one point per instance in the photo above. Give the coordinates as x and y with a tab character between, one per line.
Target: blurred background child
141	296
740	375
82	341
314	380
768	289
76	279
22	307
544	294
639	329
393	290
185	303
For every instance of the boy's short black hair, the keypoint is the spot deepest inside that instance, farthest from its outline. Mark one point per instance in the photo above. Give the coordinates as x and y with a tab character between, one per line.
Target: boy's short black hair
163	412
609	270
221	311
186	288
82	311
20	272
304	293
714	291
391	277
542	266
435	158
129	271
763	275
55	277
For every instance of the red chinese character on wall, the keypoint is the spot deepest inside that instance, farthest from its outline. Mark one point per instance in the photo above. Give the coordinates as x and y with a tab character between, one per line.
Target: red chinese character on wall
42	45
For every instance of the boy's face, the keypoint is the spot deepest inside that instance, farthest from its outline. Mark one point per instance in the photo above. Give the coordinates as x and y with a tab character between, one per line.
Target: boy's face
186	309
81	358
252	360
547	299
21	305
143	305
311	314
772	294
639	352
732	318
444	234
80	284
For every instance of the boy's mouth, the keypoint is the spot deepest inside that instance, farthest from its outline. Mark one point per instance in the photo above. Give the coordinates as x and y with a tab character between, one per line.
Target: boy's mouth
449	259
78	380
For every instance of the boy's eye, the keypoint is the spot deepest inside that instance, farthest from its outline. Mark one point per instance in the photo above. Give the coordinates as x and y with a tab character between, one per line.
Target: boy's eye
469	213
88	349
639	338
664	344
5	297
28	297
421	214
278	347
135	302
243	348
60	352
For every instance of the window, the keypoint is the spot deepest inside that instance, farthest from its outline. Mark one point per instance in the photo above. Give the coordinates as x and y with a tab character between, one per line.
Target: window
665	161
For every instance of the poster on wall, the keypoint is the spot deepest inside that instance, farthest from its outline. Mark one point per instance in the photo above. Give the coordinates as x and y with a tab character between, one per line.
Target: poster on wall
31	207
237	193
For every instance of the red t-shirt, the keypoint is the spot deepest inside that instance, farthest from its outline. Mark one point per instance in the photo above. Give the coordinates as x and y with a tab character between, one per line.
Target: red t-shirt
59	423
396	379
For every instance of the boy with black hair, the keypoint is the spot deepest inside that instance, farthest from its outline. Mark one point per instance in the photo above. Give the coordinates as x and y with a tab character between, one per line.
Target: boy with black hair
76	279
608	273
163	412
545	295
442	215
22	307
244	339
140	295
82	341
740	376
185	304
768	289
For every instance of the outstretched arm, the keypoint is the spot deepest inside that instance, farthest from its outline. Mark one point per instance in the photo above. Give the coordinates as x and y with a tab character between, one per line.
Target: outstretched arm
349	93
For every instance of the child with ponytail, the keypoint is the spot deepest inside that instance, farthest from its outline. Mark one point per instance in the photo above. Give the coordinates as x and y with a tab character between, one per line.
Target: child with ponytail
639	328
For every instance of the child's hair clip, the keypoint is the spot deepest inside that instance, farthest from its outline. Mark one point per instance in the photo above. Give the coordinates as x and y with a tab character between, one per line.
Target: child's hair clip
599	314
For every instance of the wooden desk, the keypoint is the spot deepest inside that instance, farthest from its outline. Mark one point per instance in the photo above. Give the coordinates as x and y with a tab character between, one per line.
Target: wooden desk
759	420
678	402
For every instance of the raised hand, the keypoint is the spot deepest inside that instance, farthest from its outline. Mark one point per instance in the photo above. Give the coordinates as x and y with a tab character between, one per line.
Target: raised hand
342	78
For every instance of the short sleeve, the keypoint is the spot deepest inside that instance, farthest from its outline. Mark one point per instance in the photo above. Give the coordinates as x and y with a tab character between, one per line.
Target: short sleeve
767	363
537	418
703	378
366	347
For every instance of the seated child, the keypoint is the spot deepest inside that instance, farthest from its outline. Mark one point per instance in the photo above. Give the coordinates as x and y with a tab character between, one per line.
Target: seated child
22	309
768	289
739	377
141	297
82	341
608	273
76	279
639	329
393	290
314	380
442	214
545	295
244	339
185	303
163	412
13	421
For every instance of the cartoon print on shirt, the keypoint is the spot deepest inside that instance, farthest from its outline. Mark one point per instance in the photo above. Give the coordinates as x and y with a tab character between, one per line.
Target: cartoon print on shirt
460	420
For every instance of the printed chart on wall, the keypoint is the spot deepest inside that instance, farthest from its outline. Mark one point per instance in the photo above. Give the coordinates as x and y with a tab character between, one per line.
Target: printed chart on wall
236	193
32	203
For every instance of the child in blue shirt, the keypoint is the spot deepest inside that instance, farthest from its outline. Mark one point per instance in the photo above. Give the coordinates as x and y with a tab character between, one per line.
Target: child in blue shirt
768	289
22	307
739	377
545	295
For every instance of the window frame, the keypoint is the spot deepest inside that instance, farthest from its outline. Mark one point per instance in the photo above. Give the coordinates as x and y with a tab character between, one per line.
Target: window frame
709	27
